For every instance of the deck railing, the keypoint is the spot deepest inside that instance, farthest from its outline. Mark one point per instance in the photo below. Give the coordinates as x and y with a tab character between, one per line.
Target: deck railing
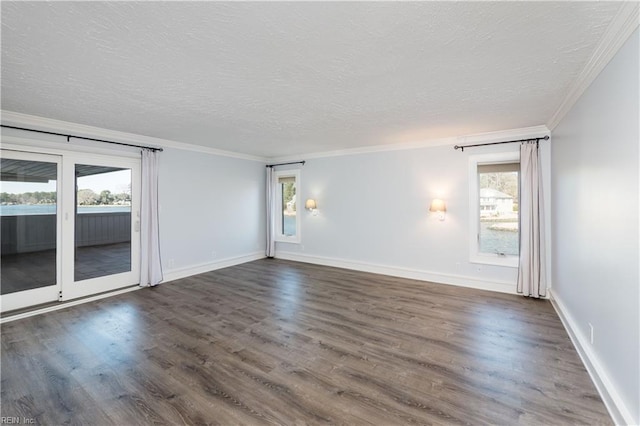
29	233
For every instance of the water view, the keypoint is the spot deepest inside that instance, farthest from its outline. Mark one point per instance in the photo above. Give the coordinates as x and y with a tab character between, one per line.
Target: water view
289	224
34	209
499	239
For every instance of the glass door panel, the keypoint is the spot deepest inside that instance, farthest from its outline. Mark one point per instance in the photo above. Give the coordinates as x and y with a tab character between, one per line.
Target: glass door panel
29	229
103	221
102	249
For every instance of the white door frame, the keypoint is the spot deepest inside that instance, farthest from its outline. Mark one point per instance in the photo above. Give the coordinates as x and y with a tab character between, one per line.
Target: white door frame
72	289
66	288
37	296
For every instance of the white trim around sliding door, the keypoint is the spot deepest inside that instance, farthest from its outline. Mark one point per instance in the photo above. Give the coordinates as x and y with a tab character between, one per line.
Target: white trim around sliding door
46	294
72	289
66	288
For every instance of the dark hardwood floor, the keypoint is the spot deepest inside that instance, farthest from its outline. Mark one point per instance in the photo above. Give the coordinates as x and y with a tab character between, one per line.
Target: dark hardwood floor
280	342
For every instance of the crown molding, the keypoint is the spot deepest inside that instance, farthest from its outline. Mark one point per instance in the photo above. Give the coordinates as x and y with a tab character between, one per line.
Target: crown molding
48	124
505	135
366	149
502	135
620	29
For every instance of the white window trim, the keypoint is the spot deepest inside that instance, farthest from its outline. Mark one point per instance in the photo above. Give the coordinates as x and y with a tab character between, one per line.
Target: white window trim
474	210
280	237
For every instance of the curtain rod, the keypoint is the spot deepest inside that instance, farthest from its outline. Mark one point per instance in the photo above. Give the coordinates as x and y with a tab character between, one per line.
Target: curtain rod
462	147
286	164
152	148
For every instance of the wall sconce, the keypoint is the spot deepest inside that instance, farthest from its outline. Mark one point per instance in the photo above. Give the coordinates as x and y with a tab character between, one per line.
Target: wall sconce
438	206
311	205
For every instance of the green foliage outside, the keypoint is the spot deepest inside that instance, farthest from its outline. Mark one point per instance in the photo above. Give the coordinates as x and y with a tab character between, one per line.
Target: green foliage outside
39	197
503	182
86	197
288	191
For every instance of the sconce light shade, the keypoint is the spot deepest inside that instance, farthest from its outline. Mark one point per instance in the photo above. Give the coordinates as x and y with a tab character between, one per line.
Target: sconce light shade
438	206
310	204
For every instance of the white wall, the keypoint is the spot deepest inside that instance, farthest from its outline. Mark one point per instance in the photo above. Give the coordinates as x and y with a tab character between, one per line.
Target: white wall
595	225
211	211
373	215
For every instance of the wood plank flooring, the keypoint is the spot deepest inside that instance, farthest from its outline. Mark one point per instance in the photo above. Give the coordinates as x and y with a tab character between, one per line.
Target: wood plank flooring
277	342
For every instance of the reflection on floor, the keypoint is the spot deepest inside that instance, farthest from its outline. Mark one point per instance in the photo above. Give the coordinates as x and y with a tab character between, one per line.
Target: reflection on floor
38	269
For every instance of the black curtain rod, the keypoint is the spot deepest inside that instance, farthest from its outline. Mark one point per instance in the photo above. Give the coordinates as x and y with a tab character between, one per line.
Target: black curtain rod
462	147
152	148
286	164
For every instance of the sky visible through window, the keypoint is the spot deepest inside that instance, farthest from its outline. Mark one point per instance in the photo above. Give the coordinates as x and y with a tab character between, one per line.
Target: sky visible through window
115	182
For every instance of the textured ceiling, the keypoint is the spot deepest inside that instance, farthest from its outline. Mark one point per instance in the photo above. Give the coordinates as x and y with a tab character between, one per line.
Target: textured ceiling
276	79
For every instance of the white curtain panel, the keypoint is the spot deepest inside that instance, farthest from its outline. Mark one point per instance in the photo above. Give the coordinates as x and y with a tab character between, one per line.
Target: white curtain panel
150	265
531	273
271	212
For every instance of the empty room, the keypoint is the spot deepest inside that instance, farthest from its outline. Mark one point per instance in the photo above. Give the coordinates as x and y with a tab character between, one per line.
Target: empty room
320	213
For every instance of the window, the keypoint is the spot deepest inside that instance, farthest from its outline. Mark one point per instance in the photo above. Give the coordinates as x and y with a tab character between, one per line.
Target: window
287	219
495	190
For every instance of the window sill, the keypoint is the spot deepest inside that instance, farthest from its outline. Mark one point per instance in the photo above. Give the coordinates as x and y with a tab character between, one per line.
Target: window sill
507	261
287	240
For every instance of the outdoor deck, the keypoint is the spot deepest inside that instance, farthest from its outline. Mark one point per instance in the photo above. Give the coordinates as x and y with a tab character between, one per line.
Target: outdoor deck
27	271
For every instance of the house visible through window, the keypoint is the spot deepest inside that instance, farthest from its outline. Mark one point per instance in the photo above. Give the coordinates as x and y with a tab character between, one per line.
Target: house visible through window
288	224
498	212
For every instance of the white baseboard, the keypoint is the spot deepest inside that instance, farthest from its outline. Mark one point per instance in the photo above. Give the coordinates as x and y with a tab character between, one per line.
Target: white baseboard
176	274
610	396
415	274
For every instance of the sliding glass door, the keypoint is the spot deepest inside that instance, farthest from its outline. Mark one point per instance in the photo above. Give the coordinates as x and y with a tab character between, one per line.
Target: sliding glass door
104	243
70	226
30	224
103	221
